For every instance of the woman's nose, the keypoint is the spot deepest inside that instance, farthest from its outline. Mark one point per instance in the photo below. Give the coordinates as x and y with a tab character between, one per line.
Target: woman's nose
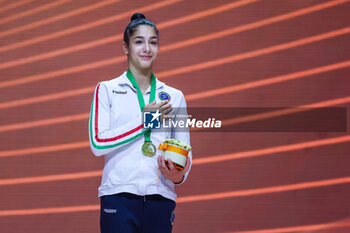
146	47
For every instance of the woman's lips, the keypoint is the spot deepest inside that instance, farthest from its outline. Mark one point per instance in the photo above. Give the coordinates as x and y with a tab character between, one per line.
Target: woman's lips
146	57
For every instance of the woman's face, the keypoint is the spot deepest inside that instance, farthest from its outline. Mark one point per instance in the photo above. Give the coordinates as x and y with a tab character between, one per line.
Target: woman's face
143	47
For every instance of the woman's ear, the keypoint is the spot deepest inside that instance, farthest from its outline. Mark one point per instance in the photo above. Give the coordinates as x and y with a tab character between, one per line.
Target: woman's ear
125	48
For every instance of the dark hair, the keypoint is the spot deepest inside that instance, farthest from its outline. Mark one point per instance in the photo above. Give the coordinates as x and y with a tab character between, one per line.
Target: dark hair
137	19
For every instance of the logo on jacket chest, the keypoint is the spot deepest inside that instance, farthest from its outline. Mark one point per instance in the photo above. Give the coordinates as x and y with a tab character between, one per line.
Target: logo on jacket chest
119	92
110	211
163	95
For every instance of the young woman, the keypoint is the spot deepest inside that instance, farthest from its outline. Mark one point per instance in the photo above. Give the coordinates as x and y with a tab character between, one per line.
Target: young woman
137	189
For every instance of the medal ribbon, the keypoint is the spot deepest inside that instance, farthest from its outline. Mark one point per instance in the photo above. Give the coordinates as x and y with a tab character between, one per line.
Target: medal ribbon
140	96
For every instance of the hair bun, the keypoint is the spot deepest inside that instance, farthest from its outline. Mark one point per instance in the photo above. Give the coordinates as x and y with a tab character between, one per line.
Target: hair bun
137	16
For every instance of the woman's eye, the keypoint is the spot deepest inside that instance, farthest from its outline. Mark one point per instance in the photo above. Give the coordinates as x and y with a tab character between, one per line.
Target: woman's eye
154	42
138	42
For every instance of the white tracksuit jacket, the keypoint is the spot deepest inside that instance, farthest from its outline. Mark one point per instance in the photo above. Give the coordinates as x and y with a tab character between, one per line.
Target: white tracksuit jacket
116	131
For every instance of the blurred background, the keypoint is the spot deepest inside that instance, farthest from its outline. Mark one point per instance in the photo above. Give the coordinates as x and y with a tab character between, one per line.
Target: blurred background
237	54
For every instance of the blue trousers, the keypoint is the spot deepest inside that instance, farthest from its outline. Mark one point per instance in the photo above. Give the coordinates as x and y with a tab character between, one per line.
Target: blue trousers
129	213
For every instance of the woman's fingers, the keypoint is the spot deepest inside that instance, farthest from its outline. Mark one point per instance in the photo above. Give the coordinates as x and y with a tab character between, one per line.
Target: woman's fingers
161	106
171	172
162	166
167	108
171	165
187	166
163	102
164	108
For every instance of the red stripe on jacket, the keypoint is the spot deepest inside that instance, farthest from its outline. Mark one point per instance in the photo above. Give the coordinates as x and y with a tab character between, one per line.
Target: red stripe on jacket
96	124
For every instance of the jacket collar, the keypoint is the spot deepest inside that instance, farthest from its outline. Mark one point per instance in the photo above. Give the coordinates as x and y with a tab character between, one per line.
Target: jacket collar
123	80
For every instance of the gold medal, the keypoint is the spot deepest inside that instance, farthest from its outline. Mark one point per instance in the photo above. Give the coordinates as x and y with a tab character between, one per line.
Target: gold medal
149	149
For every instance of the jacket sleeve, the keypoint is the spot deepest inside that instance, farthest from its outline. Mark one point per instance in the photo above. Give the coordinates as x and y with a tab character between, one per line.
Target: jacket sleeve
182	134
102	138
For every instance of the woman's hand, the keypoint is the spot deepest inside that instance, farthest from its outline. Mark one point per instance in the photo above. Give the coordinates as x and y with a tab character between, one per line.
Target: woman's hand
172	173
164	108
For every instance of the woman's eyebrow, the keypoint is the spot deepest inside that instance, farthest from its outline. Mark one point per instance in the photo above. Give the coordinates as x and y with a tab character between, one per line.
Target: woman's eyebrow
139	37
142	37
